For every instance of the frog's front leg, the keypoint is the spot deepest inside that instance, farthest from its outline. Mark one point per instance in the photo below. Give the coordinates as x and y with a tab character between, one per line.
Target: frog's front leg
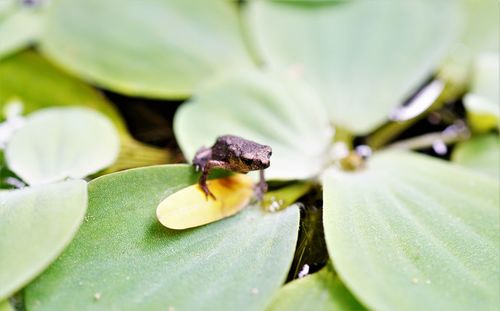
261	186
205	169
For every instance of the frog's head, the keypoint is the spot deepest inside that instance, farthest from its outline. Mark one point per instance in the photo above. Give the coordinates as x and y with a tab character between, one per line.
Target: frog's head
257	158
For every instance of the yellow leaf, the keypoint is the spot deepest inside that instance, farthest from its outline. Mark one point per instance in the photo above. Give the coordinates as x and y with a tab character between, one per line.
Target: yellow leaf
190	207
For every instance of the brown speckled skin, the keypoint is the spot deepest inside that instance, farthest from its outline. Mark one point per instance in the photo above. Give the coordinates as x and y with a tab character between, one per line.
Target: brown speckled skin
234	154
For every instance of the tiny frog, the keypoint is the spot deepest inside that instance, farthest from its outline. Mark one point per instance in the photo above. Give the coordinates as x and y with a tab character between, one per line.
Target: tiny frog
234	154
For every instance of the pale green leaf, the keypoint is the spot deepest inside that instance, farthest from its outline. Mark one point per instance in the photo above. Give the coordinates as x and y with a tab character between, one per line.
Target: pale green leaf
29	78
365	57
37	84
409	232
320	291
124	259
481	30
271	109
156	48
483	101
479	34
5	306
59	143
36	224
19	26
481	153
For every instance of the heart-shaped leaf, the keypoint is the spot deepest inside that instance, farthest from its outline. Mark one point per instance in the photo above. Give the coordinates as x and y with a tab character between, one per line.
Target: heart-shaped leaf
36	224
30	79
154	49
365	57
124	259
321	291
275	110
57	143
481	153
410	232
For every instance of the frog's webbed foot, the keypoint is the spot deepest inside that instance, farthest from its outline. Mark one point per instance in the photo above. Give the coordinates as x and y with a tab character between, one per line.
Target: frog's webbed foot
261	187
207	191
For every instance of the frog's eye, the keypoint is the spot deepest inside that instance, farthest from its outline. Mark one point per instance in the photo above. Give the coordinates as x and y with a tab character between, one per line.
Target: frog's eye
247	161
270	153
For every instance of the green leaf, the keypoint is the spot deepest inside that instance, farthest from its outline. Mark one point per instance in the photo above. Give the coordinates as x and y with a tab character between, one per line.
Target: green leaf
5	306
59	143
19	26
481	26
29	78
270	109
124	259
483	101
37	84
36	224
481	153
154	49
365	57
410	232
320	291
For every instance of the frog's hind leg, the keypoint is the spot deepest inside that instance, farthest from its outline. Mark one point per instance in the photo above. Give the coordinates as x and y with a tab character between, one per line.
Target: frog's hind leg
260	187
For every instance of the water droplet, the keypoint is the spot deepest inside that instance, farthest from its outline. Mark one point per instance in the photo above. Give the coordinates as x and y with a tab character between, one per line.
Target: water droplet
97	296
304	271
439	147
364	151
427	281
170	308
275	205
255	291
414	280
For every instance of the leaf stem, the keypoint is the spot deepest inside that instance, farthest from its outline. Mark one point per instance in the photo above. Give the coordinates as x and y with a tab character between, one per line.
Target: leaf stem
390	131
452	135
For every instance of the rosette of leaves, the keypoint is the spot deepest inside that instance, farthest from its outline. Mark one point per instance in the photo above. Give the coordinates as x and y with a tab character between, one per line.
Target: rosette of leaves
404	231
